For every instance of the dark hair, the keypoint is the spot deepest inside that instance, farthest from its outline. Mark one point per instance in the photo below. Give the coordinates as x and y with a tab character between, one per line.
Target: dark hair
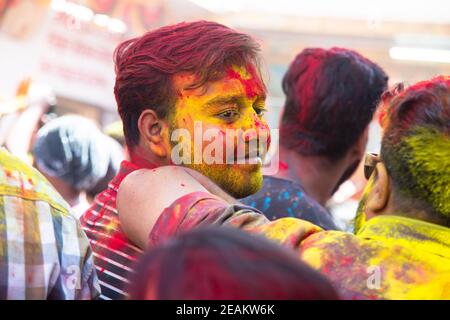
145	66
223	263
73	149
331	96
416	146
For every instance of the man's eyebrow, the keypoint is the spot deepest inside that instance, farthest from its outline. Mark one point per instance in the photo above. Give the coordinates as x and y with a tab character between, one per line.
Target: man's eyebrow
261	96
220	100
230	99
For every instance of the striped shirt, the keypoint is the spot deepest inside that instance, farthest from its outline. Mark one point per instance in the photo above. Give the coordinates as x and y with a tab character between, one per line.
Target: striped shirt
114	254
44	254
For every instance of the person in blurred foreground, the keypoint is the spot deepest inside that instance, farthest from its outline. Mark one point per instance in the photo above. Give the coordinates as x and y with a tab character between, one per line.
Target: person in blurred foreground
225	264
44	254
331	96
171	83
401	245
75	156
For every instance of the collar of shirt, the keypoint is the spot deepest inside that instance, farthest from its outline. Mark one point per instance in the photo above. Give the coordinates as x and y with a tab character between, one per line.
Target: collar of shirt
18	179
415	233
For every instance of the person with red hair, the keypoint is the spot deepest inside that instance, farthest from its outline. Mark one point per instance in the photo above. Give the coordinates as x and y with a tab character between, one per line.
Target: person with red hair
168	81
331	97
225	264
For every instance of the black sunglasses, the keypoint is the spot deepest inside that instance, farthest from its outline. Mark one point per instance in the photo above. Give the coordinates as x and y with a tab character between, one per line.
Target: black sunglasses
370	162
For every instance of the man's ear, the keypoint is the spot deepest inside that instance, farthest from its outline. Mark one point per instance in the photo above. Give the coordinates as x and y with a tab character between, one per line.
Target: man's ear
151	129
378	196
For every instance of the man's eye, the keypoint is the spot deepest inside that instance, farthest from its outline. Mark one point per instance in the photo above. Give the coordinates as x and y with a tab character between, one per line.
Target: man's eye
260	111
229	115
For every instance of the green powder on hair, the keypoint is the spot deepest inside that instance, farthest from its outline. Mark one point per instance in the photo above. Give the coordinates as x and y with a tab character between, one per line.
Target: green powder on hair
429	164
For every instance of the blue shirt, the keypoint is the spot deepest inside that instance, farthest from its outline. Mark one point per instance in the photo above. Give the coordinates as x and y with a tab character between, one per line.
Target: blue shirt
280	198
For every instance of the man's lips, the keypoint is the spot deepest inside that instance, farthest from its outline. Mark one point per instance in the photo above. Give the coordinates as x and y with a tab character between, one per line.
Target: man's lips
252	158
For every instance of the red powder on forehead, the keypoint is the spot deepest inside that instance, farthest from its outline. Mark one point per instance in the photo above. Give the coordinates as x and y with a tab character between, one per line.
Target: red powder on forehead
252	86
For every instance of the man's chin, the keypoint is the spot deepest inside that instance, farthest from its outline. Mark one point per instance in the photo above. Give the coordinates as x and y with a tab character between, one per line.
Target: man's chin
248	182
250	189
238	180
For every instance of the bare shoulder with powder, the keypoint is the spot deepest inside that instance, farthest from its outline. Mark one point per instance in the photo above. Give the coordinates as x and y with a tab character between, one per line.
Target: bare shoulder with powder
144	194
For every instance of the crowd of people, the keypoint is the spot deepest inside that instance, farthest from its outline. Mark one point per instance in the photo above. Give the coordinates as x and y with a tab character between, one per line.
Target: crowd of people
183	211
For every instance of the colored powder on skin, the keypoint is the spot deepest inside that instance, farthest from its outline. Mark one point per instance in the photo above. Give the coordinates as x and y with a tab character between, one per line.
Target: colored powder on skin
250	85
263	128
239	181
249	135
259	124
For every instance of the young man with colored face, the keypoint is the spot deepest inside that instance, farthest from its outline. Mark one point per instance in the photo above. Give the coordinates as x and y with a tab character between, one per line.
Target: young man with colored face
331	96
172	85
401	245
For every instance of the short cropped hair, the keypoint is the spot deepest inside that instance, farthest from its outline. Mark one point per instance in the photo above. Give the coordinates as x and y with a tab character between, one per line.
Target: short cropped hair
331	96
416	145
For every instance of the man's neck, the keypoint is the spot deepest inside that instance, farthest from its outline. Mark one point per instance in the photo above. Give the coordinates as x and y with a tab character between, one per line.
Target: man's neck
315	174
143	160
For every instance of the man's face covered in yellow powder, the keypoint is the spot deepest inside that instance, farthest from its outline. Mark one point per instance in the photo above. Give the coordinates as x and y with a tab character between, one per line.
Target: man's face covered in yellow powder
218	129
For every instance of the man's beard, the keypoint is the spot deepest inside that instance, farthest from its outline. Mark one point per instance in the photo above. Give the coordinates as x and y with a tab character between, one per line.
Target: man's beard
238	183
360	218
235	179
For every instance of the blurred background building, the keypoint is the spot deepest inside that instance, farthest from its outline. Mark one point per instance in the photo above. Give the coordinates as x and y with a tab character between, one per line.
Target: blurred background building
68	45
